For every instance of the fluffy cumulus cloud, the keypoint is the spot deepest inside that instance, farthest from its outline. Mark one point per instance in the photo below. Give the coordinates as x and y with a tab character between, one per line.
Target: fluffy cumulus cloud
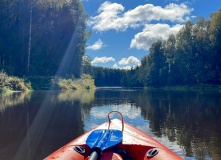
151	33
112	15
96	46
127	63
102	60
126	67
115	66
129	60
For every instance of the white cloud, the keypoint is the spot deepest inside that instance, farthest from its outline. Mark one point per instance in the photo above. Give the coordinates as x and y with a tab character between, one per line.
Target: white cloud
127	110
111	16
102	60
129	60
96	46
108	14
115	66
151	33
127	68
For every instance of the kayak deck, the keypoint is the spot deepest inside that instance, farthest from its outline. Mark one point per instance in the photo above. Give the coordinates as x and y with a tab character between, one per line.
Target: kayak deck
135	145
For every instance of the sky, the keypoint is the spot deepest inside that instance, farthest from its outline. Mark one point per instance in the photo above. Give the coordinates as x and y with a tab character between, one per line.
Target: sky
124	30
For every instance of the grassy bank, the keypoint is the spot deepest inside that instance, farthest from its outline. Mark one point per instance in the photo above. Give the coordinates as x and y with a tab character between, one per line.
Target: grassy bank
85	82
11	83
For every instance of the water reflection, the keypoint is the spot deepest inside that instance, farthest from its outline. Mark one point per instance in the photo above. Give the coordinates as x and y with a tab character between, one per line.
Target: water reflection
190	118
37	126
84	96
13	99
33	125
98	115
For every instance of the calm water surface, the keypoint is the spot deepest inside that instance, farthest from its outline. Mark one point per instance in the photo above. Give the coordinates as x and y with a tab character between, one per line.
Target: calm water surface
34	124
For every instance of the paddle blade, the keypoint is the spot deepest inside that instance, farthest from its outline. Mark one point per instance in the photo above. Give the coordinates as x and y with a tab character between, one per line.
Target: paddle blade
104	138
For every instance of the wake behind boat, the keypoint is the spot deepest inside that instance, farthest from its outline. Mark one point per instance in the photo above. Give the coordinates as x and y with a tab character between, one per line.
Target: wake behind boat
114	140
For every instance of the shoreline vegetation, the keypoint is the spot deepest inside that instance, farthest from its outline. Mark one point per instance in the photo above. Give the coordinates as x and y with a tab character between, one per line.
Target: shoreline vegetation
16	84
199	87
86	82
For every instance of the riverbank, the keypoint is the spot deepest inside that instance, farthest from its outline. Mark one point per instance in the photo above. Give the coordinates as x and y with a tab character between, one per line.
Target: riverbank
13	84
200	87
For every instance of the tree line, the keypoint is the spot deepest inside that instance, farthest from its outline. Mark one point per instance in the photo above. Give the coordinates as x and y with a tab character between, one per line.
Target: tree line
38	36
191	57
47	37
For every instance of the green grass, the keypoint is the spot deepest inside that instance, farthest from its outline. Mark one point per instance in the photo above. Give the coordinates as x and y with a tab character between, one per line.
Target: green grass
85	82
11	83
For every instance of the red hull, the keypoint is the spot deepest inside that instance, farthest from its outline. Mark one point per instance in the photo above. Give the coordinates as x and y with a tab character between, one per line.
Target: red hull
135	142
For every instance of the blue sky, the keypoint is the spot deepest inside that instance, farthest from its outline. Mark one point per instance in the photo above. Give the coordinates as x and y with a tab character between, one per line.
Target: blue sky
123	30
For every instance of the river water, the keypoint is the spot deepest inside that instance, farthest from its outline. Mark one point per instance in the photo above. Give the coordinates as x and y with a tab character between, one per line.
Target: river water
35	124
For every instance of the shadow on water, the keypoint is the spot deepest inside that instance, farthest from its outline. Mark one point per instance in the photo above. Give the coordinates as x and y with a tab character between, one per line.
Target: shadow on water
35	124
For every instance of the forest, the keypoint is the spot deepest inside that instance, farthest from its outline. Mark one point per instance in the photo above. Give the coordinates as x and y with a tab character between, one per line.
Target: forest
48	38
192	57
42	37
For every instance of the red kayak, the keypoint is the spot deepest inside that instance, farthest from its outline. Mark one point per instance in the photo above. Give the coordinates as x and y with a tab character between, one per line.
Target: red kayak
114	140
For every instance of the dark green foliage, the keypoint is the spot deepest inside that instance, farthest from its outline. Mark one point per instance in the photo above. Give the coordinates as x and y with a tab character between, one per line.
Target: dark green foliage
114	77
108	76
86	65
215	37
57	37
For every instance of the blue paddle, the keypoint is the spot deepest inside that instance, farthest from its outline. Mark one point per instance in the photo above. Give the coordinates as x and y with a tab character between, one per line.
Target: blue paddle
101	139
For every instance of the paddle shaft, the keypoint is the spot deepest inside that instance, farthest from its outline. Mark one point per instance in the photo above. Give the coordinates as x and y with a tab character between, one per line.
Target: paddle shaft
93	156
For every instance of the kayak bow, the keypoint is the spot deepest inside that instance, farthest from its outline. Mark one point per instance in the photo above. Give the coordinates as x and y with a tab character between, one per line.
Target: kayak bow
114	140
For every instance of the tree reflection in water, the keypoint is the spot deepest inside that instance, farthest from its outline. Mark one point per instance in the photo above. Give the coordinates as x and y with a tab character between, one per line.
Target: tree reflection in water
33	125
191	118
